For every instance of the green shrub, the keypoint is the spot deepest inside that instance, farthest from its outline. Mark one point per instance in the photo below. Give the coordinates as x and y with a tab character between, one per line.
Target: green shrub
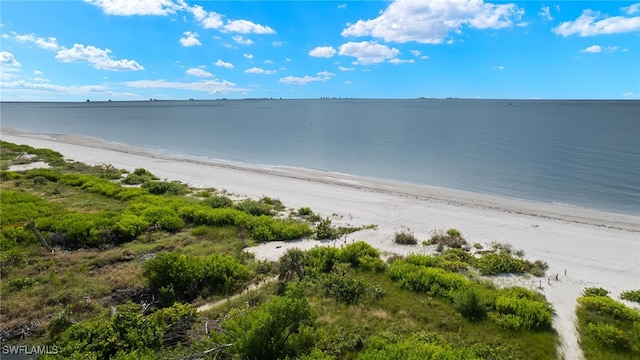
305	211
470	304
609	336
165	187
595	291
501	263
277	330
324	230
631	295
21	283
49	174
254	208
405	238
452	238
607	306
522	313
217	202
186	277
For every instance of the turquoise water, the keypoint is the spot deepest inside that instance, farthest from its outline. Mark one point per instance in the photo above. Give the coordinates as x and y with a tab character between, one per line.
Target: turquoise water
582	153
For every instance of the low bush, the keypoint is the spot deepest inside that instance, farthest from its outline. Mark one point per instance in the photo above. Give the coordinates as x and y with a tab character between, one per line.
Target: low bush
405	238
217	202
470	304
631	295
451	238
165	187
324	230
609	307
609	336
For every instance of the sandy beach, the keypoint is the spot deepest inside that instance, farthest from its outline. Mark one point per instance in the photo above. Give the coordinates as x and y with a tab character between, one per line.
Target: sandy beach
592	248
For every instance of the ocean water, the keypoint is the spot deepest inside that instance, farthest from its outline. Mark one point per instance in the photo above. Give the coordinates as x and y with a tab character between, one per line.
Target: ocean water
582	153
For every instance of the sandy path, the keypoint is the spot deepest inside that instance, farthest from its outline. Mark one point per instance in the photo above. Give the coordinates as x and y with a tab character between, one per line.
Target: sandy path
596	248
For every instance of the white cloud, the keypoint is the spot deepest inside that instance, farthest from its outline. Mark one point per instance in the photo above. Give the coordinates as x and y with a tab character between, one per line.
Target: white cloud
587	25
545	13
210	86
499	67
37	72
278	43
430	22
73	90
39	79
268	61
198	72
321	76
323	51
8	62
631	95
288	60
242	41
49	43
593	49
368	52
247	27
342	68
190	39
342	6
208	19
401	61
136	7
632	9
223	64
248	56
99	58
257	70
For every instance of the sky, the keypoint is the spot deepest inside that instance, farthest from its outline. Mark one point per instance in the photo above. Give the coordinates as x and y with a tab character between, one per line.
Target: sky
177	49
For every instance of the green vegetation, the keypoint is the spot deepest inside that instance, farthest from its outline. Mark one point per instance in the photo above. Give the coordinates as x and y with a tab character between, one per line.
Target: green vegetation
631	295
608	328
405	238
130	263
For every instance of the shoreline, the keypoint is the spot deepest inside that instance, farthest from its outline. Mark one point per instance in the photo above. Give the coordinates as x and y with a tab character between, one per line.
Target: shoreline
451	196
595	248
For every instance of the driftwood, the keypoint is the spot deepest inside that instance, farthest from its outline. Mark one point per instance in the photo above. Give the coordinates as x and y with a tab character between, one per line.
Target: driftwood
32	226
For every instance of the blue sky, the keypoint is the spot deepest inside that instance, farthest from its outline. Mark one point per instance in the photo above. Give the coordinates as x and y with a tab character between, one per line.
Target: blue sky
179	49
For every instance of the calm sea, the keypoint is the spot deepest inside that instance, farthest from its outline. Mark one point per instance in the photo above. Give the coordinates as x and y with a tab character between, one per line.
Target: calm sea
582	153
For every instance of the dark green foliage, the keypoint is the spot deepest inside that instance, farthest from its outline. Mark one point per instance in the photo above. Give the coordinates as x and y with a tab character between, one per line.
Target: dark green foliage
20	283
255	208
165	187
432	281
276	330
501	263
139	176
347	289
324	230
609	336
470	304
631	295
291	265
217	202
186	277
388	346
405	238
522	313
305	211
10	175
608	307
608	328
595	291
129	331
361	255
48	174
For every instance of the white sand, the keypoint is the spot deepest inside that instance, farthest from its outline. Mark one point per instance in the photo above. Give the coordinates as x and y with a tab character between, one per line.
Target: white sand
595	248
